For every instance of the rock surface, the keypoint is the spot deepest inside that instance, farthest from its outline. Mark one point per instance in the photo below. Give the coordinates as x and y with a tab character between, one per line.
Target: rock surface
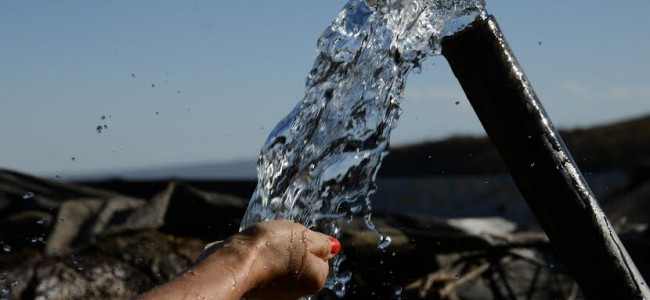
67	241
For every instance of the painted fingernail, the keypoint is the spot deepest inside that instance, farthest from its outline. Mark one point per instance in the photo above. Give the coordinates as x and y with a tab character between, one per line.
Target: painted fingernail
336	245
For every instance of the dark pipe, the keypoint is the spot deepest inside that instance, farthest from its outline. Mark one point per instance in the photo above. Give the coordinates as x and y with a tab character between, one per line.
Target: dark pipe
540	163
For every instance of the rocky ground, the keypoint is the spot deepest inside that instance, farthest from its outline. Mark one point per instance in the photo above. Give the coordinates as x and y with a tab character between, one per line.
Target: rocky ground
67	241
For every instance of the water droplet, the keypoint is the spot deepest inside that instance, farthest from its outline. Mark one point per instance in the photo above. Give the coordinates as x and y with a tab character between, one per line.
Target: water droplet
4	294
532	165
153	85
339	289
41	221
28	195
14	283
73	158
61	220
103	117
457	102
34	240
6	248
457	277
99	128
384	242
398	290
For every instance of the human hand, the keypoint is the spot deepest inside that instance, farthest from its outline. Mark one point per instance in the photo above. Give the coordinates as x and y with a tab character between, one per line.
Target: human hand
288	260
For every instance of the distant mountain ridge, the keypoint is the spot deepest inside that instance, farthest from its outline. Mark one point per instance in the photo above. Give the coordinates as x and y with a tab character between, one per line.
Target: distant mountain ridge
241	169
621	146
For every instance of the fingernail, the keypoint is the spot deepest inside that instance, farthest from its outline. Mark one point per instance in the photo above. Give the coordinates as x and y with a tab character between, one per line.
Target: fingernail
336	245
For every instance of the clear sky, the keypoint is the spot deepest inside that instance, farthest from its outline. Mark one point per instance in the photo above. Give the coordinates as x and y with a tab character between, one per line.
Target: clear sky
225	72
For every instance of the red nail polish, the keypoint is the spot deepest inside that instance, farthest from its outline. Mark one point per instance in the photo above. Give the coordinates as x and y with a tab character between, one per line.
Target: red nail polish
336	245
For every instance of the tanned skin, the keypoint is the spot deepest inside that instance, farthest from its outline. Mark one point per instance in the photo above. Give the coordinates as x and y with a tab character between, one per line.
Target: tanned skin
270	260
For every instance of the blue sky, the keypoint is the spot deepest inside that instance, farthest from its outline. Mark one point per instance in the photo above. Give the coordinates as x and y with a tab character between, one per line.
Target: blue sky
225	72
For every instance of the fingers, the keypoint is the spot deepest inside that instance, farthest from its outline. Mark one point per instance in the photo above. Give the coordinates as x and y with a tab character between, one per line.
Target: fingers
308	282
289	258
322	245
312	279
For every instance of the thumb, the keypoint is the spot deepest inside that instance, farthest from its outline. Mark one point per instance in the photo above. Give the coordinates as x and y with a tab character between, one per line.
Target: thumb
322	245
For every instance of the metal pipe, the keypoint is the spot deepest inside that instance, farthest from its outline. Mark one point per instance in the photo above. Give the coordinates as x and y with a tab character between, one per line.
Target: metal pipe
540	163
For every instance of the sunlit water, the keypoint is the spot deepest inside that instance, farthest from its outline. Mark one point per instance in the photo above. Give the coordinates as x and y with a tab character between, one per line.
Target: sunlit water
319	164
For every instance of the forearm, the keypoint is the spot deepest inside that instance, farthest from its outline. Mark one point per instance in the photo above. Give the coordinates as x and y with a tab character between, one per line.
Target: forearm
273	260
221	276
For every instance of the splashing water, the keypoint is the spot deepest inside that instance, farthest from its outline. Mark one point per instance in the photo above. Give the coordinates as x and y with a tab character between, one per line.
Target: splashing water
320	162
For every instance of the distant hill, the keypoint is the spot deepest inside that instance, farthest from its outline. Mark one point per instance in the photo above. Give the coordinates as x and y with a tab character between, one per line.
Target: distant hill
622	146
243	170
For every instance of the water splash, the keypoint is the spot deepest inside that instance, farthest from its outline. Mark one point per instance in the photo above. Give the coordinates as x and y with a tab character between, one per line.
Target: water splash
320	162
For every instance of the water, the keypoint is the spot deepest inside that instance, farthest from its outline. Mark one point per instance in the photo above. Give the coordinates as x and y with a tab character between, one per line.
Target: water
320	162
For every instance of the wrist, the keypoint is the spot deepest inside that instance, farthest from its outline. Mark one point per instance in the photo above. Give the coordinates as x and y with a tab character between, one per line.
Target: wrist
231	264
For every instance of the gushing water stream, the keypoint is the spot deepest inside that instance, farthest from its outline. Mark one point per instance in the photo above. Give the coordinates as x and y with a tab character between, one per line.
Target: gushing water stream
319	164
